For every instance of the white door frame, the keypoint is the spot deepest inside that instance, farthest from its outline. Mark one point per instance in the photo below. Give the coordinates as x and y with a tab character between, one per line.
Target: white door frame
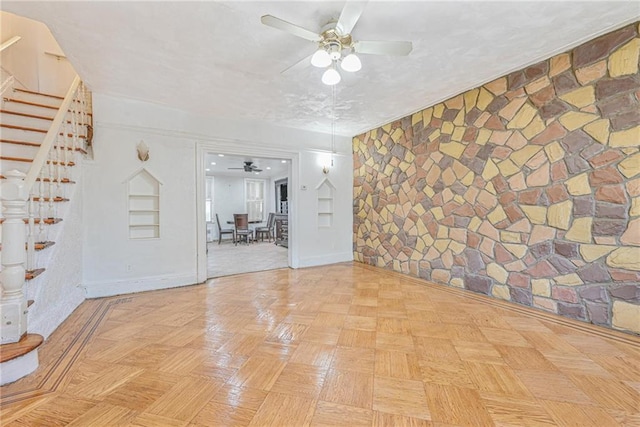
224	147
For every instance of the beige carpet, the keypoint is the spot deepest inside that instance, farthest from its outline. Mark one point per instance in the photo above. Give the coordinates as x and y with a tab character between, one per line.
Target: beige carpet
227	259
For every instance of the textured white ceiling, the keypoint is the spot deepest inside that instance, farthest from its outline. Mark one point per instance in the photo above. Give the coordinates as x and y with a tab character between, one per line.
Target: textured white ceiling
216	58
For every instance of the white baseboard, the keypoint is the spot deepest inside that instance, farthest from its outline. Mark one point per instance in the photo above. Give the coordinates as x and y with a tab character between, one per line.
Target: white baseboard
154	283
325	259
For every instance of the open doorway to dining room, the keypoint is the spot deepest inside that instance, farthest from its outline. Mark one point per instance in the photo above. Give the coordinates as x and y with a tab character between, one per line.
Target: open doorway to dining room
255	188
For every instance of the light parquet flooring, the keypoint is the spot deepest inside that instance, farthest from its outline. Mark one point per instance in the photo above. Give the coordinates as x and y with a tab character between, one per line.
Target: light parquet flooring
345	344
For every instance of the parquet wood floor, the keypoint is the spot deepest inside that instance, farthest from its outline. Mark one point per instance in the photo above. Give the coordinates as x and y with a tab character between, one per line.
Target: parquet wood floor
338	345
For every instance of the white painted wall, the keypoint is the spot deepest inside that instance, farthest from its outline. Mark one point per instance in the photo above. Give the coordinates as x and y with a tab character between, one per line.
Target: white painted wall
26	60
112	262
228	198
178	142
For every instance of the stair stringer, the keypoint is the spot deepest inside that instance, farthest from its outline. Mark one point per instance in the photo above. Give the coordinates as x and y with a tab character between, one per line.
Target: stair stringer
57	291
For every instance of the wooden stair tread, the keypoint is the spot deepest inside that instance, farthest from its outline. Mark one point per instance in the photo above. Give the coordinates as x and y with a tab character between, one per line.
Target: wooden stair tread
62	181
48	221
11	141
38	93
35	144
32	274
27	343
16	159
47	199
22	159
4	125
38	246
35	104
31	116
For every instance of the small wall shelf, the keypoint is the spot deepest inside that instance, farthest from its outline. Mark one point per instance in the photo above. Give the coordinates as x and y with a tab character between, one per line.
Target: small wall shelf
325	192
143	205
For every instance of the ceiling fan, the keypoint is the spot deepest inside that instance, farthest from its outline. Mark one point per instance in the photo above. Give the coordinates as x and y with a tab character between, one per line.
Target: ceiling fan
336	45
248	167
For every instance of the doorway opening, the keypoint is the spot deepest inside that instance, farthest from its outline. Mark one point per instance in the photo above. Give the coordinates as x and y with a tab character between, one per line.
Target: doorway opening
237	186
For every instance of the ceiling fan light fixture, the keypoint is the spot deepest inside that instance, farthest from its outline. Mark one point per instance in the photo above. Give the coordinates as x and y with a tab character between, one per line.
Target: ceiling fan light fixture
331	77
351	63
321	58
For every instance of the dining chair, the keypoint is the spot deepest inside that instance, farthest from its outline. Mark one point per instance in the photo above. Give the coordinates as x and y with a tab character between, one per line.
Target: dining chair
222	231
268	229
243	232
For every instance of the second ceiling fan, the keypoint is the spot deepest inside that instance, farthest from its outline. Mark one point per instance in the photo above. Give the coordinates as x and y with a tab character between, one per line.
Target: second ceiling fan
336	45
248	167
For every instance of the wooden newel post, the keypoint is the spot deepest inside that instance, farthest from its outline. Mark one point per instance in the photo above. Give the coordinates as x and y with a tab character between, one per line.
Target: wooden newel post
13	305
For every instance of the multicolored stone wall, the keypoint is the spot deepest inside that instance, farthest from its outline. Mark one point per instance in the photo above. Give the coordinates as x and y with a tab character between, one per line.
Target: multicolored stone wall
525	189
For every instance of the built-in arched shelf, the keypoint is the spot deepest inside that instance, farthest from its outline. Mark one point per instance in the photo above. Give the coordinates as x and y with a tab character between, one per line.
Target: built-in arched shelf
143	194
325	193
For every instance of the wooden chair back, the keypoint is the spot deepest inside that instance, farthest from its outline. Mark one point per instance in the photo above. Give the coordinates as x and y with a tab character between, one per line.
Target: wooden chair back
218	222
241	221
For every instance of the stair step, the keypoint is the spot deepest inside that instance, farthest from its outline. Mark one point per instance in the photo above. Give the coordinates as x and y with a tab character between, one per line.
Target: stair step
38	246
13	141
47	199
32	274
38	93
35	144
33	104
31	116
21	159
27	343
24	128
43	245
16	159
48	221
62	181
30	303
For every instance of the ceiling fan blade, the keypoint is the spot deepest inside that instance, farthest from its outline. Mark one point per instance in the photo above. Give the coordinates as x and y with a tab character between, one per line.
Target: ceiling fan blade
300	65
349	16
290	28
257	170
236	168
383	48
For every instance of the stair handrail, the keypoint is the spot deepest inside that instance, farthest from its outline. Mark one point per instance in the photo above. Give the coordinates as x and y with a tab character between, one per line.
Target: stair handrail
13	40
41	157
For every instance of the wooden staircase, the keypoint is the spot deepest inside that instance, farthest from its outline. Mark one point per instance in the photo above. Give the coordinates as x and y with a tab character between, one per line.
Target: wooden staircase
25	119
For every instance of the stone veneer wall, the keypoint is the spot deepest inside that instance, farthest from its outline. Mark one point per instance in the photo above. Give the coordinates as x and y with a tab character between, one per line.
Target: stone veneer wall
526	189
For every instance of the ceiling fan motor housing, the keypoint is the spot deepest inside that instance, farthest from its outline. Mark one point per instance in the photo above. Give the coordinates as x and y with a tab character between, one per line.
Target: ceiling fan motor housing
333	42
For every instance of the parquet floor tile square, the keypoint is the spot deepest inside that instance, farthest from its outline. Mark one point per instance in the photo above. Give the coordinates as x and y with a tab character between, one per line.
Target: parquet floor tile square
258	372
383	419
348	388
341	345
397	364
329	414
185	399
456	406
400	397
284	410
104	414
568	414
151	420
300	380
215	413
510	411
354	359
553	385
